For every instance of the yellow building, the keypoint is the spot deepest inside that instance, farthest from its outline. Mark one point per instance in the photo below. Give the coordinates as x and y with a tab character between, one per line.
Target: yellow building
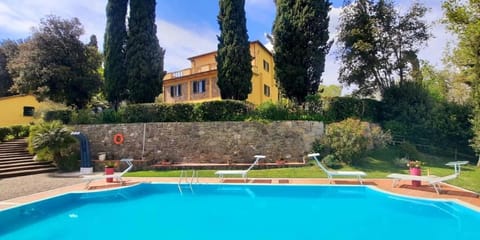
199	82
17	110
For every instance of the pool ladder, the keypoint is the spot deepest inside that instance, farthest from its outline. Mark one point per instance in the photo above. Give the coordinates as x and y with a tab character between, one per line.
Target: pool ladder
185	180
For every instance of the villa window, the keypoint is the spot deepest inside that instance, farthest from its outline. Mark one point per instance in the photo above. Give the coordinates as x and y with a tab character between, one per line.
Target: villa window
28	111
176	91
266	90
266	66
199	86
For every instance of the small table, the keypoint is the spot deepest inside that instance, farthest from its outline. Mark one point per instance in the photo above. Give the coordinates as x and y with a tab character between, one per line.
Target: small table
456	165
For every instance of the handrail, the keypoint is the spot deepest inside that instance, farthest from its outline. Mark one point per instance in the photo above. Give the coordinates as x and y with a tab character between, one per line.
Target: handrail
190	182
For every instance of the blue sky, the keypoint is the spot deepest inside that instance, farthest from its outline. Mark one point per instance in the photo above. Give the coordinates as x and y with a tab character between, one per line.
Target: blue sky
189	27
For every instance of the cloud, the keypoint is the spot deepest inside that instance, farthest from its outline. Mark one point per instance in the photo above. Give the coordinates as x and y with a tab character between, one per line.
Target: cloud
19	19
181	43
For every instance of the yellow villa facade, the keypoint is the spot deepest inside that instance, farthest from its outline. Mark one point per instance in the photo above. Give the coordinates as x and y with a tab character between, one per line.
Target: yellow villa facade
17	110
199	82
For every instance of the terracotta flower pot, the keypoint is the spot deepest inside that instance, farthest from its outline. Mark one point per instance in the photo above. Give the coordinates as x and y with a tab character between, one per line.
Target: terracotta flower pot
109	171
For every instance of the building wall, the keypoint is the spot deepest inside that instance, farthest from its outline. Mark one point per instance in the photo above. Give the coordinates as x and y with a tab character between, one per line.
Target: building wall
205	142
12	109
263	76
204	67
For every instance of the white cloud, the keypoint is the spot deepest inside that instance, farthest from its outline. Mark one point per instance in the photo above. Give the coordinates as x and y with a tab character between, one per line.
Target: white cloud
182	43
25	14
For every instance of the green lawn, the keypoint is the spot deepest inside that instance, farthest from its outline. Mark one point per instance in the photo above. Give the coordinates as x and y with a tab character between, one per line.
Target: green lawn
377	165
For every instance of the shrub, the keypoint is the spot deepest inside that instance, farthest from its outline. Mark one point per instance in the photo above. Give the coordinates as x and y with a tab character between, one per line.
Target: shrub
4	132
340	108
84	116
51	140
408	150
145	113
65	116
181	112
225	110
70	159
271	111
350	138
20	131
331	161
110	116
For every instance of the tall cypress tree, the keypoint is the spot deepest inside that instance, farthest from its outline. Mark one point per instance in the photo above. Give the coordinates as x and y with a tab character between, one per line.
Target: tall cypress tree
233	57
144	54
114	50
301	44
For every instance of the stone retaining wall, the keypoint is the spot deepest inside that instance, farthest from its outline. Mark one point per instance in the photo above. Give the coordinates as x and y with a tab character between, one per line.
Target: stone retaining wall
204	142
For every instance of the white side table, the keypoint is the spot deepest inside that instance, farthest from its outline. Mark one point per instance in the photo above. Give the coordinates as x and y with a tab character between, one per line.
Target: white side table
456	165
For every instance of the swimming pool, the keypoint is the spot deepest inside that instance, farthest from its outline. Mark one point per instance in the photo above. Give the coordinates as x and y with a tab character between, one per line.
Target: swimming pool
215	211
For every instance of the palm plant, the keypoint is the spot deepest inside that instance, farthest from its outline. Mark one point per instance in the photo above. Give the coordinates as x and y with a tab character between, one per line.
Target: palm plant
50	139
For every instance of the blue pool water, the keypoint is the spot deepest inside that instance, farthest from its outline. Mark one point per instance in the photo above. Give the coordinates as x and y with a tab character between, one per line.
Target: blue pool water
160	211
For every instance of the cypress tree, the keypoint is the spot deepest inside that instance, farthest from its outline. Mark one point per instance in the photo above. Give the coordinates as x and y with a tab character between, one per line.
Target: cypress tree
301	44
144	54
233	57
114	52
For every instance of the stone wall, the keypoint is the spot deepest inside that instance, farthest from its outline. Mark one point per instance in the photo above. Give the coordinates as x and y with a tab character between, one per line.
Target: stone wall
204	142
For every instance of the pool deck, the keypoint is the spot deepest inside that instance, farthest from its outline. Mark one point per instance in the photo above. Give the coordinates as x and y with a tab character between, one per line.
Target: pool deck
404	188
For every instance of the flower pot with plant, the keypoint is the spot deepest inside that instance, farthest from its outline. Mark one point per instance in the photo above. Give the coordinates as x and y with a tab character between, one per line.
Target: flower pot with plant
109	169
415	169
280	161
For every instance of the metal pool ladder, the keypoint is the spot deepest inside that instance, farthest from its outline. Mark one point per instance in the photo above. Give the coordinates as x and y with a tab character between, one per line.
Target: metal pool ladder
185	180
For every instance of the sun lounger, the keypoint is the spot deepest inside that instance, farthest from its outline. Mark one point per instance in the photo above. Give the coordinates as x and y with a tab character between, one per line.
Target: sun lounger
243	173
331	173
432	180
116	176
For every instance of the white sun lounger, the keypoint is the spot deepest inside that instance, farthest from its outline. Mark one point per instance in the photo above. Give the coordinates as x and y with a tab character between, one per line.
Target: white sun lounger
331	173
243	173
432	180
116	176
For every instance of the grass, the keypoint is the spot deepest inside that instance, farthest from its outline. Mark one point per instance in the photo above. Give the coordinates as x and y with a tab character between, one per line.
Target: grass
377	164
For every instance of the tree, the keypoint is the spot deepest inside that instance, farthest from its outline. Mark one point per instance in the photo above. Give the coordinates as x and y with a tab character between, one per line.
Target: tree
330	91
114	51
144	54
301	43
55	64
233	57
8	50
378	46
463	19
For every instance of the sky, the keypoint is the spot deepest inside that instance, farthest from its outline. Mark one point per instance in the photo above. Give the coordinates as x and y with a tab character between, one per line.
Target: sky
187	28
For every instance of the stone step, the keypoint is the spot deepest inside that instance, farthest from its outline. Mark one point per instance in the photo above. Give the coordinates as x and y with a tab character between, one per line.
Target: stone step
15	155
27	172
13	149
9	161
3	145
15	142
23	150
22	163
31	166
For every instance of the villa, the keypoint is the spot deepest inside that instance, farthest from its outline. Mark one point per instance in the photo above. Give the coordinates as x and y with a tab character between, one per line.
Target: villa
199	82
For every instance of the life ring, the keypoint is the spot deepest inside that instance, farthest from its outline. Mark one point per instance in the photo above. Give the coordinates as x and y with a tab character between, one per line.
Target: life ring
118	138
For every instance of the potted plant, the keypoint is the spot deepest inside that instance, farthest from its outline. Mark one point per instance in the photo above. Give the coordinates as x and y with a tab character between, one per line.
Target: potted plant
166	162
102	156
280	161
109	169
415	169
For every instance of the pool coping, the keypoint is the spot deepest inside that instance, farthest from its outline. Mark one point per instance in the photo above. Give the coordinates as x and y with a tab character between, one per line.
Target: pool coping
453	193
